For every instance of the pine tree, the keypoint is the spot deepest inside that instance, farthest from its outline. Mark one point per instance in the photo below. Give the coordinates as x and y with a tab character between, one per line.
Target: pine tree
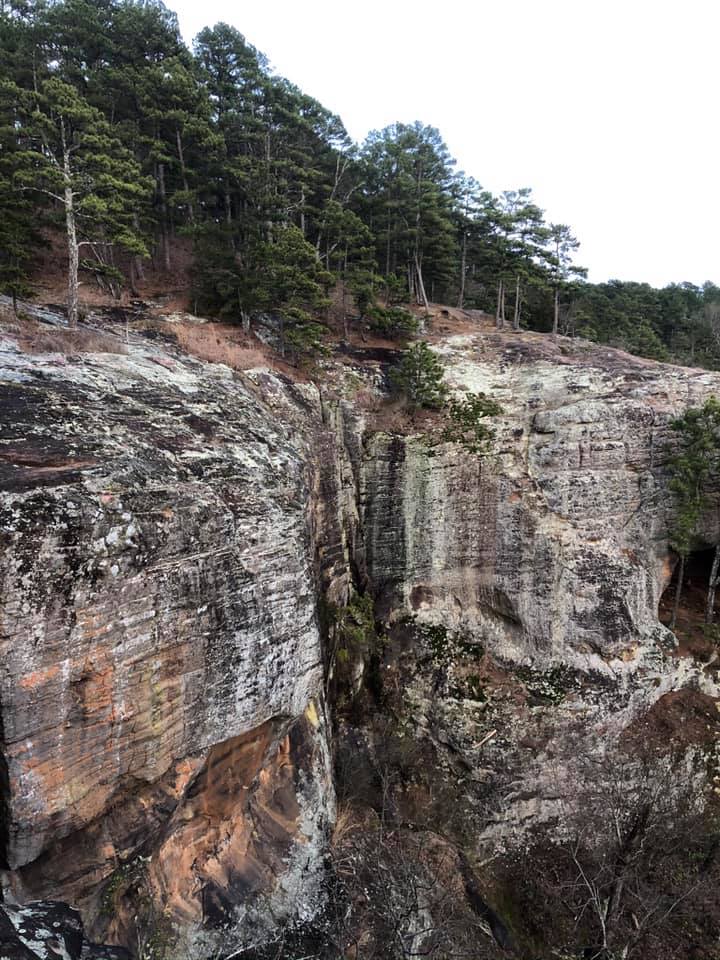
71	155
418	377
562	246
19	236
408	198
289	282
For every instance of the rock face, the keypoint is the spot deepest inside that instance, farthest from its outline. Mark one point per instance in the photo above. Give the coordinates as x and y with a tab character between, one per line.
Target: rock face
525	588
168	528
555	547
161	683
47	930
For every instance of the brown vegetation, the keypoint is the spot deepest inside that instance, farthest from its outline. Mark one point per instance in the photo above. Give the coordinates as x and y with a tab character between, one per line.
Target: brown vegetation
34	337
214	343
50	277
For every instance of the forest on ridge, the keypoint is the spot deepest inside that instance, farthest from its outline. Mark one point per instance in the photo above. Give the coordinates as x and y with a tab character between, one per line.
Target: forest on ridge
117	136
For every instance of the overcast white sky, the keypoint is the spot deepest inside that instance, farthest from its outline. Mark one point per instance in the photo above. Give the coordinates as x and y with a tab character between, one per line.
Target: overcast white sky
608	109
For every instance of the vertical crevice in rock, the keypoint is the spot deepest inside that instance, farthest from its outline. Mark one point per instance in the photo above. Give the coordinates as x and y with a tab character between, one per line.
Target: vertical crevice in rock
4	801
384	520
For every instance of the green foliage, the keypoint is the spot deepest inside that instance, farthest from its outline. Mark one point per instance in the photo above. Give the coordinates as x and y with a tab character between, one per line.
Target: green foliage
353	647
408	200
218	283
695	460
362	282
679	322
467	425
68	145
418	378
19	236
392	322
394	288
355	625
281	277
164	141
289	281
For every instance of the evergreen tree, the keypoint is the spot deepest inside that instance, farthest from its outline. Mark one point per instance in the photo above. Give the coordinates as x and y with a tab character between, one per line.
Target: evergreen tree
289	282
70	155
562	246
418	377
467	424
19	237
407	197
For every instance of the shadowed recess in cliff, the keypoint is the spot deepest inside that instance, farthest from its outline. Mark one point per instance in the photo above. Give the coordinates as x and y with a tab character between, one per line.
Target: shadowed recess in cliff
386	536
4	800
693	633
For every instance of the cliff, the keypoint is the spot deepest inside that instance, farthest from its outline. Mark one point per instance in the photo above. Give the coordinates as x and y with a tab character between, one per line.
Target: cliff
170	528
162	716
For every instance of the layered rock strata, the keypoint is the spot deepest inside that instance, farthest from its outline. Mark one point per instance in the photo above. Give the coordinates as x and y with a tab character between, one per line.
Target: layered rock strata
168	529
161	685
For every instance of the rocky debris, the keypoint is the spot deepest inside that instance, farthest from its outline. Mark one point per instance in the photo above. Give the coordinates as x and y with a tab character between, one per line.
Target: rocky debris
48	930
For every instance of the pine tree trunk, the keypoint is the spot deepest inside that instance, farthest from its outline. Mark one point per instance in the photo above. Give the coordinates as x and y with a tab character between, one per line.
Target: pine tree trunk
678	591
516	313
136	262
137	266
183	172
346	330
420	284
133	278
268	162
164	225
463	268
73	254
498	312
227	203
712	587
556	312
502	306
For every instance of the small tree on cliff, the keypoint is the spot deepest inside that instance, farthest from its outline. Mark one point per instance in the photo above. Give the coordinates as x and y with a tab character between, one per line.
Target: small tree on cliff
467	424
418	377
698	456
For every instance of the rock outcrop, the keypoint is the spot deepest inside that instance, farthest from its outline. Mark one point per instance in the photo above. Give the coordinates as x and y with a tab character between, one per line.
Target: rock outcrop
46	930
163	725
168	528
524	589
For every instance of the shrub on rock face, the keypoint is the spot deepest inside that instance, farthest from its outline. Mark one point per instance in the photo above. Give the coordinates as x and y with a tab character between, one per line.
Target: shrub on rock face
418	377
392	322
466	422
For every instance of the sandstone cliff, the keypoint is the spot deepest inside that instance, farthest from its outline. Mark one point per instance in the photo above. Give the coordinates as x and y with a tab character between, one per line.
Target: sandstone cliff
161	680
169	528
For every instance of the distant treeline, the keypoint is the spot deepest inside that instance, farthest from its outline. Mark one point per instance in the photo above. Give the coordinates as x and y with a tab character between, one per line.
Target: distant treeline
116	133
